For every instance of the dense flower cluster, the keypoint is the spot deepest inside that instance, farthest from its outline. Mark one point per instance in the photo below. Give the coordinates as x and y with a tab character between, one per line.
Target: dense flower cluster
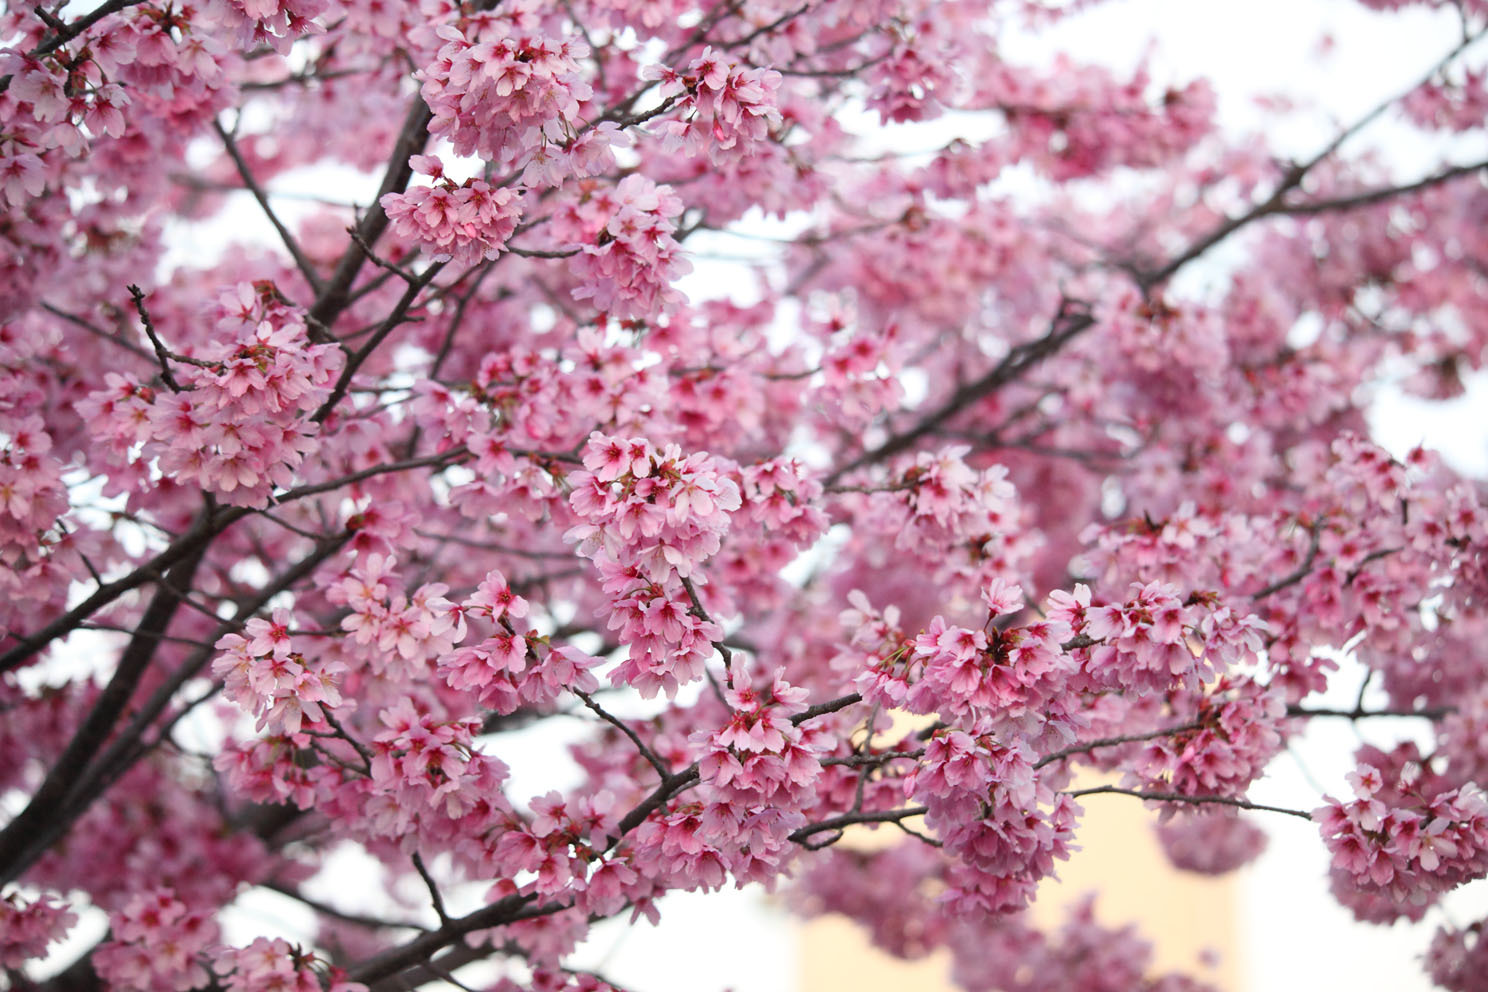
501	88
463	222
261	671
159	944
988	807
760	758
1233	738
275	965
1006	677
722	108
656	510
426	773
27	926
238	426
32	496
396	627
1396	840
628	257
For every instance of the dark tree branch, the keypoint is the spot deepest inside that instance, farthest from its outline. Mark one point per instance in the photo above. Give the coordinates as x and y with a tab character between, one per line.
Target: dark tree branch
836	823
301	262
1101	742
614	721
1178	797
388	325
161	352
830	706
1358	713
434	896
68	32
1072	320
1276	204
89	782
19	837
333	297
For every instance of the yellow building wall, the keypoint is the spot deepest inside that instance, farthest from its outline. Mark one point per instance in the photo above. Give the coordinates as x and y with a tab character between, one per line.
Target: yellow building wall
1183	915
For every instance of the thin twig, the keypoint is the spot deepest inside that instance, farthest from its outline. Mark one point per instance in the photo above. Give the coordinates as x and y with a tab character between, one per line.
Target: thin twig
1178	797
650	755
161	352
836	823
1358	713
301	262
434	896
1101	742
702	614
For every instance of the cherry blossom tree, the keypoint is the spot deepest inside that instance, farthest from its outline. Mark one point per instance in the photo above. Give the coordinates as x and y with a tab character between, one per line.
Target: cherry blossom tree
954	493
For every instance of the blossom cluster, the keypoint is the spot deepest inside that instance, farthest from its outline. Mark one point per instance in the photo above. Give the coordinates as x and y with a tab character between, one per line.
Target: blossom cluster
1211	842
759	758
28	926
985	802
238	426
275	965
627	255
782	495
722	108
1144	643
1233	738
262	672
392	626
460	222
511	667
275	23
667	641
501	89
159	944
1006	676
426	775
1457	960
559	845
657	510
1398	842
32	496
1064	131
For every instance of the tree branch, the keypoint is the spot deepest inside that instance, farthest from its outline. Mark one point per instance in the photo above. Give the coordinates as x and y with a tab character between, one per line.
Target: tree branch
333	297
1101	742
71	31
389	323
1292	179
1072	320
1177	797
20	835
650	755
836	823
128	746
301	262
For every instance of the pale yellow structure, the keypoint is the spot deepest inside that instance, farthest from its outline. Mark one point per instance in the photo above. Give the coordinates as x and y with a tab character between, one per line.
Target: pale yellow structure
1182	914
